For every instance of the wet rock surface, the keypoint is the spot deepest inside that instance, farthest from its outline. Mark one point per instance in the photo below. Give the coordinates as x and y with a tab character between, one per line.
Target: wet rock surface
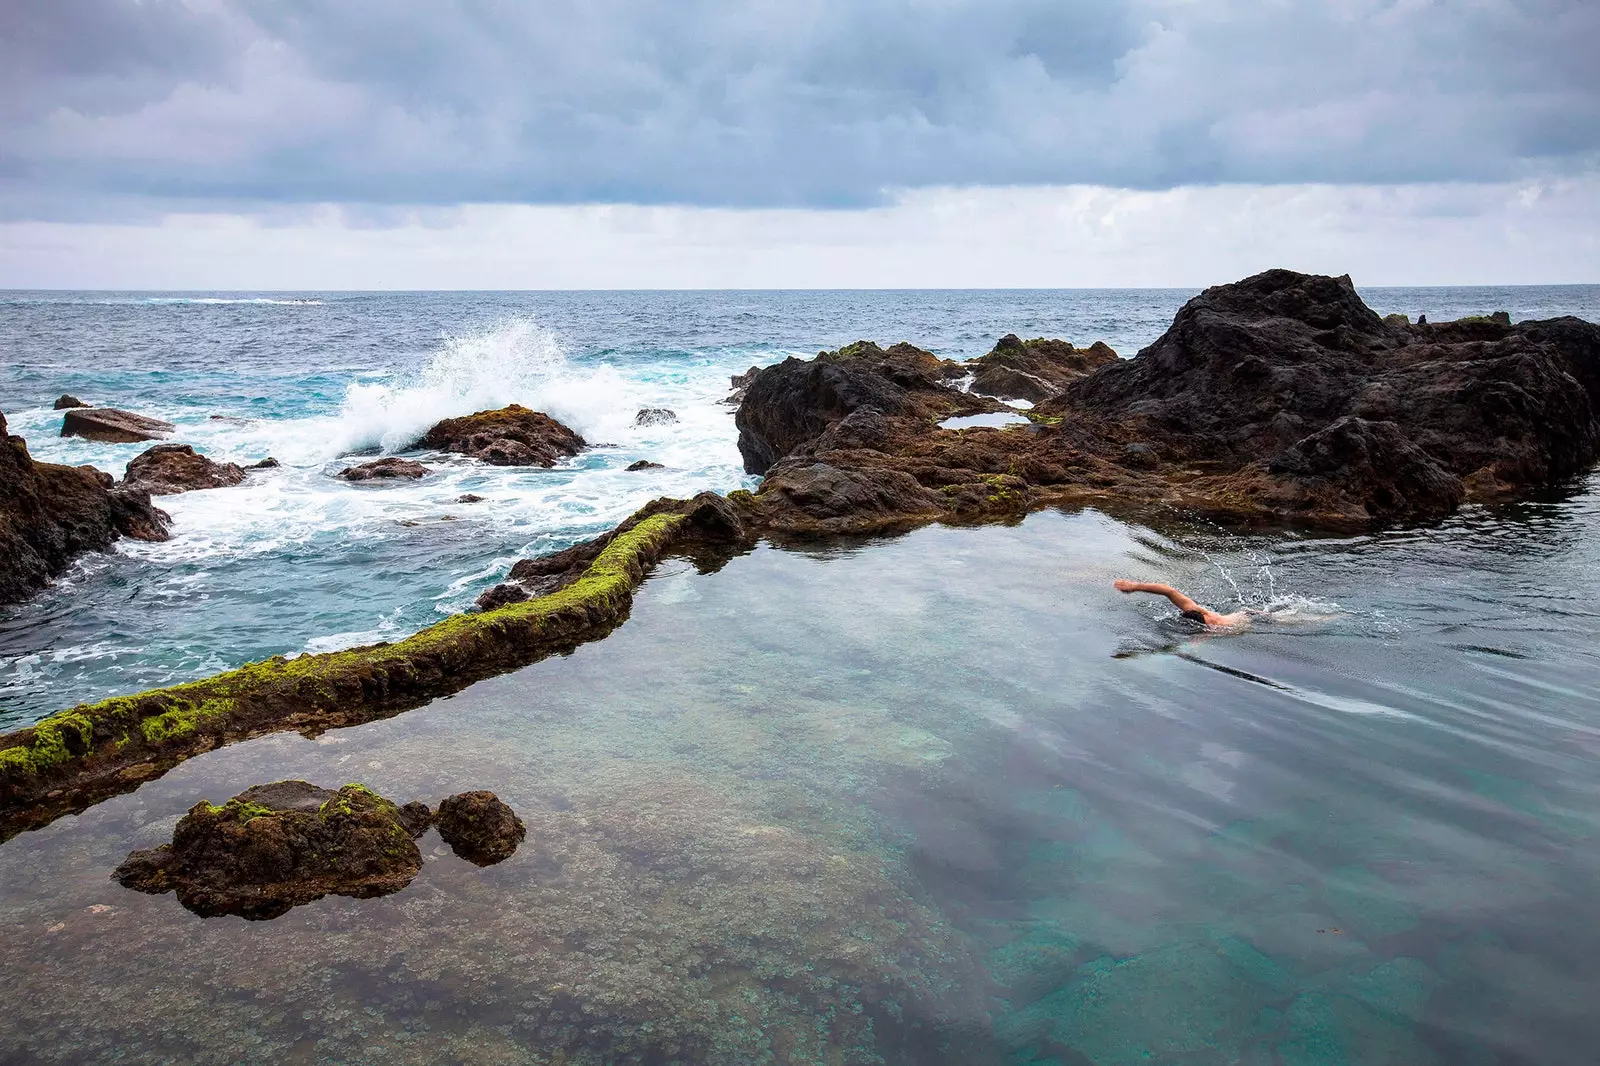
1280	398
172	468
510	436
50	513
68	401
480	827
644	464
385	470
655	416
274	847
111	426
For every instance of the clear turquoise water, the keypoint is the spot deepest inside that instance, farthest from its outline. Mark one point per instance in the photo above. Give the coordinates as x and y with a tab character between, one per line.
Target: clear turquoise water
941	799
297	561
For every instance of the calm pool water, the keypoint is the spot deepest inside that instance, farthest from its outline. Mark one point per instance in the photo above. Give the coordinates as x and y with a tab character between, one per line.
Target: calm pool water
947	798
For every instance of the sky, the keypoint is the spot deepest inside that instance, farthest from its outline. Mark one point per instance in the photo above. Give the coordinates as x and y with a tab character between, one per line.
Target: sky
312	144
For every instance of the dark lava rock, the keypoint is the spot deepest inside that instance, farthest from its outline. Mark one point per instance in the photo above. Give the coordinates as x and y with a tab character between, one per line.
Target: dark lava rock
385	470
479	827
171	468
467	497
1035	370
502	594
644	464
1278	398
793	402
655	416
51	513
511	436
416	817
68	401
112	426
274	847
266	464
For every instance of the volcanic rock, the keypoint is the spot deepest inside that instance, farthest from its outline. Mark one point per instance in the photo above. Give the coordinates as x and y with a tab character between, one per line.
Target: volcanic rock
274	847
172	468
479	827
644	464
655	416
266	464
51	513
112	426
68	401
510	436
385	470
1037	369
467	497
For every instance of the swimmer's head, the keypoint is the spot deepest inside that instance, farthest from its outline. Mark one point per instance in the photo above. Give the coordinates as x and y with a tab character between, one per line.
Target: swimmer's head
1194	616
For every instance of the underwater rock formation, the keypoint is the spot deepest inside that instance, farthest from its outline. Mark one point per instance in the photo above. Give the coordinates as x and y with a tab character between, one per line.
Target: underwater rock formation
510	436
112	426
480	827
1035	370
274	847
1280	398
167	469
389	469
51	513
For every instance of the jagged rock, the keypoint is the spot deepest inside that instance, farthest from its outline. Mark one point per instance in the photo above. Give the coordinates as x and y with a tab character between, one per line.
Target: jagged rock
167	469
1035	370
109	425
416	817
479	827
51	513
273	847
68	401
502	594
644	464
655	416
385	470
467	497
510	436
266	464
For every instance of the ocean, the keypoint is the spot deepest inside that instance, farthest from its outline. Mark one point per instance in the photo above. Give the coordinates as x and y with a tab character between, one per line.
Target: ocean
945	798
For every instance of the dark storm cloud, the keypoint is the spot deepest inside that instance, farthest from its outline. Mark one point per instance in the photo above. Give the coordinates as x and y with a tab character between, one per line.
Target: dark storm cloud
766	102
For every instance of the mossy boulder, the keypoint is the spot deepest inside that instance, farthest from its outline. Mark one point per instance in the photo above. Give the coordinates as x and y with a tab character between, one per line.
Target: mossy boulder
1036	369
480	827
273	847
510	436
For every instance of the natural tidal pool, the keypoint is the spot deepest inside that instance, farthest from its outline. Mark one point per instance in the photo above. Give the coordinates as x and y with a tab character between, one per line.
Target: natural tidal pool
946	798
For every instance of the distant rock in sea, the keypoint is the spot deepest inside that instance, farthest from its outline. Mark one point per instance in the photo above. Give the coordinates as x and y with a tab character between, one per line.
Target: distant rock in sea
644	464
655	416
68	401
385	470
109	425
510	436
167	469
49	514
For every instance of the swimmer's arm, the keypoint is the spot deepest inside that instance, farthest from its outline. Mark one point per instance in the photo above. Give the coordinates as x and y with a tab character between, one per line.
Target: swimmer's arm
1179	600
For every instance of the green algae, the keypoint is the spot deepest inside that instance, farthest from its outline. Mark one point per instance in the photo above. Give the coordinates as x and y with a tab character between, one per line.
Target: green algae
312	692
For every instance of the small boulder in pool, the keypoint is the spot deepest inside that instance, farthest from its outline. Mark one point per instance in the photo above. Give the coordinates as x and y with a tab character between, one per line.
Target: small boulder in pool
390	469
655	416
274	847
111	426
480	827
167	469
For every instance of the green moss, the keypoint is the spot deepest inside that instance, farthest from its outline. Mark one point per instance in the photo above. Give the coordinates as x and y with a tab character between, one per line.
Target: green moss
1043	420
337	678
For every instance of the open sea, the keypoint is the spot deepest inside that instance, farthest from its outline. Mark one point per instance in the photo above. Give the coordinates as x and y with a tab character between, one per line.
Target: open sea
821	803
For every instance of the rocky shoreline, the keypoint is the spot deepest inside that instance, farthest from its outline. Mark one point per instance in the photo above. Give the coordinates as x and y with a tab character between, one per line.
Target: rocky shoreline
1281	399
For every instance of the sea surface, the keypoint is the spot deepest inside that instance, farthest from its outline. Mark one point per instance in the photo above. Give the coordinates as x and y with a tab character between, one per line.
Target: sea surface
946	798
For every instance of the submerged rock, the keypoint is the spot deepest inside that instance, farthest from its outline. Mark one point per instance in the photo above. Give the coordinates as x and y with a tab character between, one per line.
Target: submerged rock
68	401
273	847
172	468
112	426
50	513
1281	397
385	470
1035	370
510	436
655	416
467	497
479	827
644	464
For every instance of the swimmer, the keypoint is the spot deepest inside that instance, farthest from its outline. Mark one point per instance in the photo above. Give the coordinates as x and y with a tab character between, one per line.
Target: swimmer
1196	612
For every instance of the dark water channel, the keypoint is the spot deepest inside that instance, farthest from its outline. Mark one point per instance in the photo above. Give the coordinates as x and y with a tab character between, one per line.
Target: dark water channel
946	798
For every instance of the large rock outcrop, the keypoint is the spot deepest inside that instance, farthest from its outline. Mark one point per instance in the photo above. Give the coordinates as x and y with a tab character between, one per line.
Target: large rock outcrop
167	469
51	513
1280	398
111	426
273	847
510	436
1035	370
